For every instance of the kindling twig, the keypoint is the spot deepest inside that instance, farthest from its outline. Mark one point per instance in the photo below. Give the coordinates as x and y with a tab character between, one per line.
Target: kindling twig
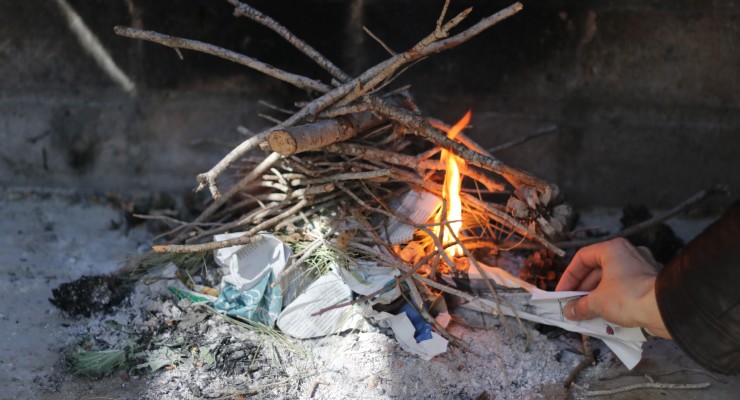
663	373
247	238
588	359
680	208
524	139
640	386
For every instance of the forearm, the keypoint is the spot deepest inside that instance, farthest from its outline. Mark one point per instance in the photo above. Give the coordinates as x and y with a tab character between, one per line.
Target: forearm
698	296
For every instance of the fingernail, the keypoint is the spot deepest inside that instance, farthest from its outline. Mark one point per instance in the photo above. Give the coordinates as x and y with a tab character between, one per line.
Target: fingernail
570	310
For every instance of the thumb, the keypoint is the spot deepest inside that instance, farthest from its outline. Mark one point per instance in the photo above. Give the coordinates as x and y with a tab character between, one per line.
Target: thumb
578	310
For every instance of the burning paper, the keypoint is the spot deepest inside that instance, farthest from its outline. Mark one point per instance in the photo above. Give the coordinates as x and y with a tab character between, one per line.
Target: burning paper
417	207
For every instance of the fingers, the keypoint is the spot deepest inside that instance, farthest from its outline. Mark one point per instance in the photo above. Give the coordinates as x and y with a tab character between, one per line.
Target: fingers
584	262
578	310
591	281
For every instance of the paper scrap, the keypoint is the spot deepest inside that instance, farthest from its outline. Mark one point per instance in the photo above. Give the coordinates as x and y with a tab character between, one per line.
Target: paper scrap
249	291
366	278
404	332
418	207
249	264
297	319
547	308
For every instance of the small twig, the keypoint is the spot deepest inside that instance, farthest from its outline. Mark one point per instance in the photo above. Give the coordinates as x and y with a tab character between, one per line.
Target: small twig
588	359
312	390
245	10
524	139
379	40
165	248
664	373
249	237
683	206
442	14
275	108
639	386
239	187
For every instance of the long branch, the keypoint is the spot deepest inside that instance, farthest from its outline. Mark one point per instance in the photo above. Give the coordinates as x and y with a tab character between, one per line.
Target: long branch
683	206
181	43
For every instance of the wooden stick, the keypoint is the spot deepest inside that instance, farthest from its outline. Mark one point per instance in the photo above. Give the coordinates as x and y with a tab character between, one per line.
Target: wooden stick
683	206
181	43
639	386
663	373
524	139
245	10
588	359
300	138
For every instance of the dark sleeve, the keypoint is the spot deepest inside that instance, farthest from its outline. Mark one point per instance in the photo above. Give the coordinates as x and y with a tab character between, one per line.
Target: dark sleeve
698	295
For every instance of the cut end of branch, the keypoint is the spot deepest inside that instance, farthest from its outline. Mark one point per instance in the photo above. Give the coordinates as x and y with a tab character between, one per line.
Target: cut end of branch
282	142
159	248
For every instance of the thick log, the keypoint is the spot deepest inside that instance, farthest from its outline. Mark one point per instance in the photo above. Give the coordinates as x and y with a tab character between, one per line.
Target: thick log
300	138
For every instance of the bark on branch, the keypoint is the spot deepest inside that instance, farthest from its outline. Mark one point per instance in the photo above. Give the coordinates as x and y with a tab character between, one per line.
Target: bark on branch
300	138
181	43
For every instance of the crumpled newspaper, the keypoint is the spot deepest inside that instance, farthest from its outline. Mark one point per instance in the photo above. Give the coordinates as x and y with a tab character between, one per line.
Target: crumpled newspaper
249	291
547	308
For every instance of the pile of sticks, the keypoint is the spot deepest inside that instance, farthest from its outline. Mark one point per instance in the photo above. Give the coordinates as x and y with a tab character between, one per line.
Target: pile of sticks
342	157
348	150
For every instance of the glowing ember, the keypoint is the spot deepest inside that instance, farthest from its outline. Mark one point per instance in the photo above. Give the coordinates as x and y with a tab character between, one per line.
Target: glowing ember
451	190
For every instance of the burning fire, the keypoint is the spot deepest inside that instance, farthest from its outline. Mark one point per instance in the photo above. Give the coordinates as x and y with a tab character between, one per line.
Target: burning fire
451	190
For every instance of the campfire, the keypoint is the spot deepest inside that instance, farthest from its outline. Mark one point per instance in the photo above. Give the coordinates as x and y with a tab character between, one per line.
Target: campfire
359	176
356	199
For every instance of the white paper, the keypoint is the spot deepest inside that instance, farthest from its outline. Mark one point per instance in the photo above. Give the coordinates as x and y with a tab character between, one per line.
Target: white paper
418	207
366	278
547	308
404	331
297	320
249	263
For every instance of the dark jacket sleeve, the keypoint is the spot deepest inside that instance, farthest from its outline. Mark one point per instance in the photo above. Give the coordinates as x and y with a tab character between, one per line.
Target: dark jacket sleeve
698	295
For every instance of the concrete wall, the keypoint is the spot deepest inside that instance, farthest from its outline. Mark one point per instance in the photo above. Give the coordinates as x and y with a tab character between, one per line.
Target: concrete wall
646	94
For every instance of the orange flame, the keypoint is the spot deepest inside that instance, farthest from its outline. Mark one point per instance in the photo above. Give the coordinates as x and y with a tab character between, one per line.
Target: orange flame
451	190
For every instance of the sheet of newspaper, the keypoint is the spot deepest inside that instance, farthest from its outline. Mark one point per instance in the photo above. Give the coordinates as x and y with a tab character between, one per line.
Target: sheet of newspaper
547	308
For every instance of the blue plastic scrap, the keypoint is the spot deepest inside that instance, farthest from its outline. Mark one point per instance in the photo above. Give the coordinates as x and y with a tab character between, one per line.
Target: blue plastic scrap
422	329
261	303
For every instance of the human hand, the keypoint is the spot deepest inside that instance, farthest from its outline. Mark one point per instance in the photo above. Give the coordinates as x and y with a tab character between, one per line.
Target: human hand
621	281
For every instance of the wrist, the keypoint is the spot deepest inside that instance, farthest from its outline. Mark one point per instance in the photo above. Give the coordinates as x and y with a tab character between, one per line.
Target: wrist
650	318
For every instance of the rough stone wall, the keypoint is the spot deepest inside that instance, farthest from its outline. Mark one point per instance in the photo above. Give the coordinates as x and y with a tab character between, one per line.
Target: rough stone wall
645	93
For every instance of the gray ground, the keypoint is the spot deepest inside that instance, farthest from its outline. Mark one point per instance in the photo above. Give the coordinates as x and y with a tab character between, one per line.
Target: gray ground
54	238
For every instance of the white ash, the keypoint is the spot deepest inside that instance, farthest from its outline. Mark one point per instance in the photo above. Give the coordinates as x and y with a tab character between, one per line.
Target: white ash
355	365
